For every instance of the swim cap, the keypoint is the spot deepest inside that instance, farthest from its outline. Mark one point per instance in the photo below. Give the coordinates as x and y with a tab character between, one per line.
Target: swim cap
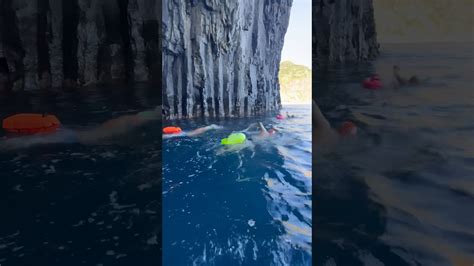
348	129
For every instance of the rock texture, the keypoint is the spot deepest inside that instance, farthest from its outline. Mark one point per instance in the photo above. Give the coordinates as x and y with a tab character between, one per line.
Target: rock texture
46	43
221	58
343	30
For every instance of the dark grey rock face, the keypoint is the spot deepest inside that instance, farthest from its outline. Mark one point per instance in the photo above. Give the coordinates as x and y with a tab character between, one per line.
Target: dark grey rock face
343	30
46	43
221	58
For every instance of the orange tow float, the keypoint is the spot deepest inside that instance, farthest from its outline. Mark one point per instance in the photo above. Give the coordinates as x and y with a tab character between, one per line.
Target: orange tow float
172	130
30	123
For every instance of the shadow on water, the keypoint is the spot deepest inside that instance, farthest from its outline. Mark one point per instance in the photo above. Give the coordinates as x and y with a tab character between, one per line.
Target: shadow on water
400	192
70	204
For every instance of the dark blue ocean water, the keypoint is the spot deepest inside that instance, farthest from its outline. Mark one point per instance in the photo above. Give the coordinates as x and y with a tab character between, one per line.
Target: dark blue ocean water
250	205
70	204
402	192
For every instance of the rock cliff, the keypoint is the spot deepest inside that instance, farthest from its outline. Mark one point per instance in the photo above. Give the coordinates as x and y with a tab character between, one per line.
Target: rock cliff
221	58
343	30
46	43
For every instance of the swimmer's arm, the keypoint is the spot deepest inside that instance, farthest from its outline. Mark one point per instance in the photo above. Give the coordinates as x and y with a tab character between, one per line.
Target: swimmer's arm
399	79
197	131
319	120
201	130
250	127
119	126
324	135
262	128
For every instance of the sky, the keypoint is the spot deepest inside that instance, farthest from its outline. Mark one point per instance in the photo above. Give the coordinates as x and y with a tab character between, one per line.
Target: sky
297	46
424	20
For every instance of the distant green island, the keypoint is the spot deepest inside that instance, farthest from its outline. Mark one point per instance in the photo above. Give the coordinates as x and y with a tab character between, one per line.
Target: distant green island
295	83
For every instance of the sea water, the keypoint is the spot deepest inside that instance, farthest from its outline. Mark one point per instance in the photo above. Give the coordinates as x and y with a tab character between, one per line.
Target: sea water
402	192
244	205
72	204
65	203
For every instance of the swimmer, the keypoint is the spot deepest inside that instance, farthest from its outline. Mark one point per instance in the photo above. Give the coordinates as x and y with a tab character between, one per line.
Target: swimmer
324	136
118	126
263	132
267	133
289	116
110	128
400	81
193	133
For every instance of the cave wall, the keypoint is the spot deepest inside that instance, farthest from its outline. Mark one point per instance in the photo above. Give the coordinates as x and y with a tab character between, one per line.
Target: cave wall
221	58
343	31
53	43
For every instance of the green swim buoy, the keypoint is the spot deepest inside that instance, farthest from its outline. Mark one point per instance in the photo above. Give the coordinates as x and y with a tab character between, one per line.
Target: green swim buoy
234	138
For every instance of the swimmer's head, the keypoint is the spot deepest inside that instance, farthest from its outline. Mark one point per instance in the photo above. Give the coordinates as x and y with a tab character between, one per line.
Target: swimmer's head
272	130
348	129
